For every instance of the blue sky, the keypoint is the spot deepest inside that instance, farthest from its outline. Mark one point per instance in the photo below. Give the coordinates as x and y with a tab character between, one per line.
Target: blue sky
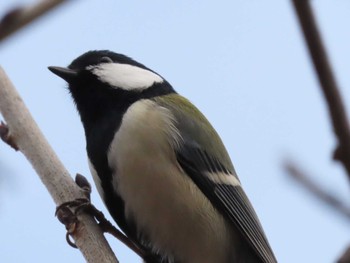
243	63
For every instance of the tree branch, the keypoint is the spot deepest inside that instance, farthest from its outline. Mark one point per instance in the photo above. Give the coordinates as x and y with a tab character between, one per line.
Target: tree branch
328	83
31	142
345	258
19	17
317	191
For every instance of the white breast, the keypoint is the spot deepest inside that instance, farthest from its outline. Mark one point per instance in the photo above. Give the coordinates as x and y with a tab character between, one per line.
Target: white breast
164	202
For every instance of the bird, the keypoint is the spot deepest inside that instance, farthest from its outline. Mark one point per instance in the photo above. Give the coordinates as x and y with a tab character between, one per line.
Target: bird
160	167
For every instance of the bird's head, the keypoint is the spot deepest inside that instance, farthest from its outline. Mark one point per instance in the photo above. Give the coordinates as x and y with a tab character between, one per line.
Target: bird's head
103	80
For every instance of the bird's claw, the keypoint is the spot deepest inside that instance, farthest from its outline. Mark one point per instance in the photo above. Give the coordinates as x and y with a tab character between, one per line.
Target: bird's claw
68	218
76	205
67	212
79	205
5	135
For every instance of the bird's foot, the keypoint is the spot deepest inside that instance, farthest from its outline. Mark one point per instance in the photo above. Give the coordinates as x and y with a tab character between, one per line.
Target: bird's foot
68	211
107	227
5	135
69	219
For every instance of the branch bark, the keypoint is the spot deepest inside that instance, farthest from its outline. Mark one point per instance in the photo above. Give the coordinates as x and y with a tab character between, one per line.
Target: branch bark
327	80
31	142
21	16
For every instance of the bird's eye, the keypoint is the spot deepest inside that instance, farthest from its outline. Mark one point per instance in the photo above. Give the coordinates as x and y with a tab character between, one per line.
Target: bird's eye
106	60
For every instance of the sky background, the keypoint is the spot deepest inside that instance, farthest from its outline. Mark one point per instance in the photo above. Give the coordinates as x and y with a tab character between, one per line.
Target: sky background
243	63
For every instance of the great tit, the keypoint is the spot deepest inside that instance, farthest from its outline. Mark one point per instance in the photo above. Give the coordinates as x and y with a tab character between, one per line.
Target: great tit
160	167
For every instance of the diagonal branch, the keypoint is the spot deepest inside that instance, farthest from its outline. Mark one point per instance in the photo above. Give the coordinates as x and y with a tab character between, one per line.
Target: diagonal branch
27	137
316	190
19	17
345	258
327	80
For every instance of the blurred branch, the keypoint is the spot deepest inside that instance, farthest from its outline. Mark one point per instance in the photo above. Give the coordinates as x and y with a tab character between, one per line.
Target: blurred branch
27	137
328	83
345	258
316	190
19	17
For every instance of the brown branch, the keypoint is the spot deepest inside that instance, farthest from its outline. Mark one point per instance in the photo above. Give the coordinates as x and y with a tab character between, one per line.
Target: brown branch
19	17
345	258
316	190
327	80
27	137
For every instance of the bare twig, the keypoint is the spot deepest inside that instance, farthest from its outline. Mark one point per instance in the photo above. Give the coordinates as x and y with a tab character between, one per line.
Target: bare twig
328	83
28	138
19	17
315	189
345	258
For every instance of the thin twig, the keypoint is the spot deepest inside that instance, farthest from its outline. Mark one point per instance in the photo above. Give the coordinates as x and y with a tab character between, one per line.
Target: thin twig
327	80
19	17
316	190
26	135
345	258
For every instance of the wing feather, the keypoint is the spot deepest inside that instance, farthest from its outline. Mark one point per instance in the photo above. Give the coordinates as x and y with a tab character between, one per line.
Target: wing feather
229	199
205	160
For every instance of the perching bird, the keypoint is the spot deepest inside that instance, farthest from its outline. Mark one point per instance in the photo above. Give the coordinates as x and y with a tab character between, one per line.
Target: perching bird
160	167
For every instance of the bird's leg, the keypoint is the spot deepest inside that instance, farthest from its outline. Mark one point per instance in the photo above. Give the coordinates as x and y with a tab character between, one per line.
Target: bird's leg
5	135
67	211
107	227
69	218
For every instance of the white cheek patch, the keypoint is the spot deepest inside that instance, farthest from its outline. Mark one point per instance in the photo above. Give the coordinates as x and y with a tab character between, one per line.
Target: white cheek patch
125	76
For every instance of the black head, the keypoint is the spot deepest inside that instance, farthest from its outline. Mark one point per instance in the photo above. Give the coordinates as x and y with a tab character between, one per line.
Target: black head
107	66
103	81
96	57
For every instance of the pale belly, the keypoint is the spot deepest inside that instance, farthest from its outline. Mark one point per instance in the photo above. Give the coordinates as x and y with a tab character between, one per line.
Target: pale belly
167	207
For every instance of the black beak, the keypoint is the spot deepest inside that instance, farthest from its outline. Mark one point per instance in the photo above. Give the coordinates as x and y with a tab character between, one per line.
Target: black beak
65	73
